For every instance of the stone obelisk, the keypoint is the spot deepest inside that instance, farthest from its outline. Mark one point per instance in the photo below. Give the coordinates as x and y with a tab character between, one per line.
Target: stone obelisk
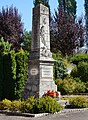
40	61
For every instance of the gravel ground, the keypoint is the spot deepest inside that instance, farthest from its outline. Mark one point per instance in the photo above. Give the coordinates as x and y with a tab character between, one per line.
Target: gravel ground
65	115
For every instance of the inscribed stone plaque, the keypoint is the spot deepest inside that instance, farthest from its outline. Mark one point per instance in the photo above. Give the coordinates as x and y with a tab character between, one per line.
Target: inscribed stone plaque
47	72
33	71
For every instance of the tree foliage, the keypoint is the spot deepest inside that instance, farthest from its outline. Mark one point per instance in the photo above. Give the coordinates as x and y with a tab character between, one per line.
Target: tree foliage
27	37
79	58
86	19
69	6
11	27
66	33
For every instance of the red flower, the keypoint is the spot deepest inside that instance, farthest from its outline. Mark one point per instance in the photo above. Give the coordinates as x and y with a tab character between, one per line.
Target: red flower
52	93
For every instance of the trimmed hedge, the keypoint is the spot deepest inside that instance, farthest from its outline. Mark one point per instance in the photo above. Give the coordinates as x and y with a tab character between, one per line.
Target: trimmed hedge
13	74
21	73
1	76
7	76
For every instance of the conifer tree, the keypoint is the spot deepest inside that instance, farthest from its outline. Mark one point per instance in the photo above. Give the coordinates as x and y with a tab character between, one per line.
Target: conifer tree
86	17
69	6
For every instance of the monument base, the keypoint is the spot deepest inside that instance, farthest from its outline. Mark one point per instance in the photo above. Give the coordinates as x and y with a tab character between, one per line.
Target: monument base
40	79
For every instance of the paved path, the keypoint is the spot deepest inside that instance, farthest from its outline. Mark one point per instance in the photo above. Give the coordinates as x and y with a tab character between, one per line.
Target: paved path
76	115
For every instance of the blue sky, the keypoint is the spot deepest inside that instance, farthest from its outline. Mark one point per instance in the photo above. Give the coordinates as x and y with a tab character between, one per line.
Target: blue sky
25	9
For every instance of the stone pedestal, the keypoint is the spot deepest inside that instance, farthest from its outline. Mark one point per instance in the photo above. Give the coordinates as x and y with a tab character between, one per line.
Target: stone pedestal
40	61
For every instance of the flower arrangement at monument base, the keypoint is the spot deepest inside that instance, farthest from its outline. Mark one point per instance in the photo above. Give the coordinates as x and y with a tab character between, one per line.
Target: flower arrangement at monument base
52	93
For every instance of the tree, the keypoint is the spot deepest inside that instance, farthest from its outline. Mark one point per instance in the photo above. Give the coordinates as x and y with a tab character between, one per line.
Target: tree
27	37
11	27
66	33
86	17
69	6
45	2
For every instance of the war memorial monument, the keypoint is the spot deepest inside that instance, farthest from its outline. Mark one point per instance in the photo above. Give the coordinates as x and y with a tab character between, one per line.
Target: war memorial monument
40	78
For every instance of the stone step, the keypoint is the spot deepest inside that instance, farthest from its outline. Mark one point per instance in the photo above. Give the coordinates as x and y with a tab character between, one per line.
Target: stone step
64	103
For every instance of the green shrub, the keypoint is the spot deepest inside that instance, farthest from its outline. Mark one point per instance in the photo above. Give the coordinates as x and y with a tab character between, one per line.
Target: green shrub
79	58
86	84
74	72
70	86
81	71
66	86
80	86
28	106
60	70
48	105
42	105
15	105
5	104
79	102
32	105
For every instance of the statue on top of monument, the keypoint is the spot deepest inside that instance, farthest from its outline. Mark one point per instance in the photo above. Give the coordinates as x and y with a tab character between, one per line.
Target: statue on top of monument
44	2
